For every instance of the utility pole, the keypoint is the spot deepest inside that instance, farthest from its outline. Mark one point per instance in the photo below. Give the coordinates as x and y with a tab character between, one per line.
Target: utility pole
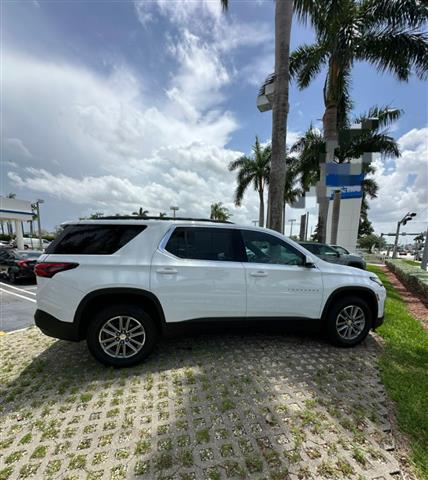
39	228
403	221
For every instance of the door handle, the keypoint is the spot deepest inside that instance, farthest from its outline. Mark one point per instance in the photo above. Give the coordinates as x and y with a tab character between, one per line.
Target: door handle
167	270
259	273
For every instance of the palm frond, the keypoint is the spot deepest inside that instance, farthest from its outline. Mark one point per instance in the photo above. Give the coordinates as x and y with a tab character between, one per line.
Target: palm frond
410	13
386	115
374	142
306	62
242	184
238	163
398	51
370	187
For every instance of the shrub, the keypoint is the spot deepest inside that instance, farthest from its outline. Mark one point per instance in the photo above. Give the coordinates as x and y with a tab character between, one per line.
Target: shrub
412	276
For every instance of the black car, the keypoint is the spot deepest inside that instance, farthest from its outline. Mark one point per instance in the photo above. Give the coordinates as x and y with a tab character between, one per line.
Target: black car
18	264
329	254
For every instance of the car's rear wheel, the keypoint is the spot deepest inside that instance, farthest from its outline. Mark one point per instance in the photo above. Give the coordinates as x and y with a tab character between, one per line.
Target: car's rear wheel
349	321
11	276
121	335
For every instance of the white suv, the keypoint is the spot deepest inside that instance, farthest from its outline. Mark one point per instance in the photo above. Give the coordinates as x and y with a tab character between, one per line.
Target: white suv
120	283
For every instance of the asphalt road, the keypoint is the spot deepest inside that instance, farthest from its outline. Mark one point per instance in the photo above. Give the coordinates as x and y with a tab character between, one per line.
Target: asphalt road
17	305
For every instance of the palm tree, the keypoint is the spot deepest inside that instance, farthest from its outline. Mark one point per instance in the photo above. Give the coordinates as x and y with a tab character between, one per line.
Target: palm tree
141	212
255	170
381	32
219	212
283	20
161	214
311	148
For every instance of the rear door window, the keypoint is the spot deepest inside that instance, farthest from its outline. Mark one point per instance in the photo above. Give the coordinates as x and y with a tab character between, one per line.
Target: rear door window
93	239
199	243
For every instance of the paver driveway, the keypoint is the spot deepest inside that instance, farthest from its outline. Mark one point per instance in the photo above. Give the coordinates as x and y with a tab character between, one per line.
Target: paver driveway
202	407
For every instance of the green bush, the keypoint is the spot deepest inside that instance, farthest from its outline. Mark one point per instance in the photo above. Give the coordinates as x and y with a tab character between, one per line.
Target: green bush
412	276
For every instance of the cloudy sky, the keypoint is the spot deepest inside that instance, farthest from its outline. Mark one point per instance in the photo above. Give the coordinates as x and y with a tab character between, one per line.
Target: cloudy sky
108	106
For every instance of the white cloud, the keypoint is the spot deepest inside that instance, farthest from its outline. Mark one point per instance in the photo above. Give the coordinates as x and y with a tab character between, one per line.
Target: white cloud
102	144
15	148
405	187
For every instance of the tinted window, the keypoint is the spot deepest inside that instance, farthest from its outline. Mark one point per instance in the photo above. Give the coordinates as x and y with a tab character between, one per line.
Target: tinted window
341	250
93	239
203	243
263	248
320	249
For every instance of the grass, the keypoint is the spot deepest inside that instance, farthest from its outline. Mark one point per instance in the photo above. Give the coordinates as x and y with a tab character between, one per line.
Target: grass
403	368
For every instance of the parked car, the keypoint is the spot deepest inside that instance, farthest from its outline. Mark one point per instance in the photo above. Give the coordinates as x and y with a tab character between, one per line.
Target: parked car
344	251
18	264
121	283
331	255
33	243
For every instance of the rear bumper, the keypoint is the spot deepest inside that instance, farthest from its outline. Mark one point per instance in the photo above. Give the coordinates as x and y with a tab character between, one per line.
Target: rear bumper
53	327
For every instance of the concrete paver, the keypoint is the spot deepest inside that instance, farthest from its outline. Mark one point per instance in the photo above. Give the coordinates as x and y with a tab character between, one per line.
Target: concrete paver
253	406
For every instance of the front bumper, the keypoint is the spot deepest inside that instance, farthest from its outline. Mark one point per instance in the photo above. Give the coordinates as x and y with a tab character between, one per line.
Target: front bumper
52	327
378	322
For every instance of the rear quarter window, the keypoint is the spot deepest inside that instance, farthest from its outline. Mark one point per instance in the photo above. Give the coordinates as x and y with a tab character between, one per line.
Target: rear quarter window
93	239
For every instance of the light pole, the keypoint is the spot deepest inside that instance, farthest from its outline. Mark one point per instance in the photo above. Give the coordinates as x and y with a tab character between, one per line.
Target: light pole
403	221
424	262
292	220
39	228
174	209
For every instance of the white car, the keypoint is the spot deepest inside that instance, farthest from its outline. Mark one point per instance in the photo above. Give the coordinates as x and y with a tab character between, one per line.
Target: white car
120	283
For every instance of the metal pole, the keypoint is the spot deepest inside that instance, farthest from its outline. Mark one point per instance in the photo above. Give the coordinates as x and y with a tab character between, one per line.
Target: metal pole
424	262
397	234
31	233
39	225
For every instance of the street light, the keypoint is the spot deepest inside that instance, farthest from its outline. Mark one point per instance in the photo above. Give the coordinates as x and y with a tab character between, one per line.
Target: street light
174	209
39	228
409	216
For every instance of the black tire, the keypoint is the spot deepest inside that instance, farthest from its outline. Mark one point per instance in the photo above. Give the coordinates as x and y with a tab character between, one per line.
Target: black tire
332	328
138	316
11	276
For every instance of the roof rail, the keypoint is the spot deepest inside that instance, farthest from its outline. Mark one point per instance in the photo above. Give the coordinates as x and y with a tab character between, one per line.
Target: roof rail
140	217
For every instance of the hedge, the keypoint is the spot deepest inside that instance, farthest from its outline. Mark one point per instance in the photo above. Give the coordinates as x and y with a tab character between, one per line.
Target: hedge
411	275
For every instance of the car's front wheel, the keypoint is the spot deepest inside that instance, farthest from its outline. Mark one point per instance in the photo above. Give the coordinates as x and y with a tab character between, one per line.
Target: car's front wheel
349	321
121	335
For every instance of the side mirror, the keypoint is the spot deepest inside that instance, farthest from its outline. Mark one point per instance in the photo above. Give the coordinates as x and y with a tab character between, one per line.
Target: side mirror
308	262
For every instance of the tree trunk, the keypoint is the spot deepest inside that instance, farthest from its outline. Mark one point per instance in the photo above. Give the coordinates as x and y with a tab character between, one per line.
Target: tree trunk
261	208
283	18
331	95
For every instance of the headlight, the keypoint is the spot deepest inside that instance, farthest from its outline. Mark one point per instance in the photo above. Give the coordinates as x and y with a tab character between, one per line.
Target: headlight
376	280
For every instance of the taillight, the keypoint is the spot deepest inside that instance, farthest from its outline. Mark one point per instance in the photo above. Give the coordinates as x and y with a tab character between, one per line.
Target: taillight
22	264
49	269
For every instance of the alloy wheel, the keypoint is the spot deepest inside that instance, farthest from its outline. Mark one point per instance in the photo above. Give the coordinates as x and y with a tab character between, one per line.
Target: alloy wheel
350	322
122	337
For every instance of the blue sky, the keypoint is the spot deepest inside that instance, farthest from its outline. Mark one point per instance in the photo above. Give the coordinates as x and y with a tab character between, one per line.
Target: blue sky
111	105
